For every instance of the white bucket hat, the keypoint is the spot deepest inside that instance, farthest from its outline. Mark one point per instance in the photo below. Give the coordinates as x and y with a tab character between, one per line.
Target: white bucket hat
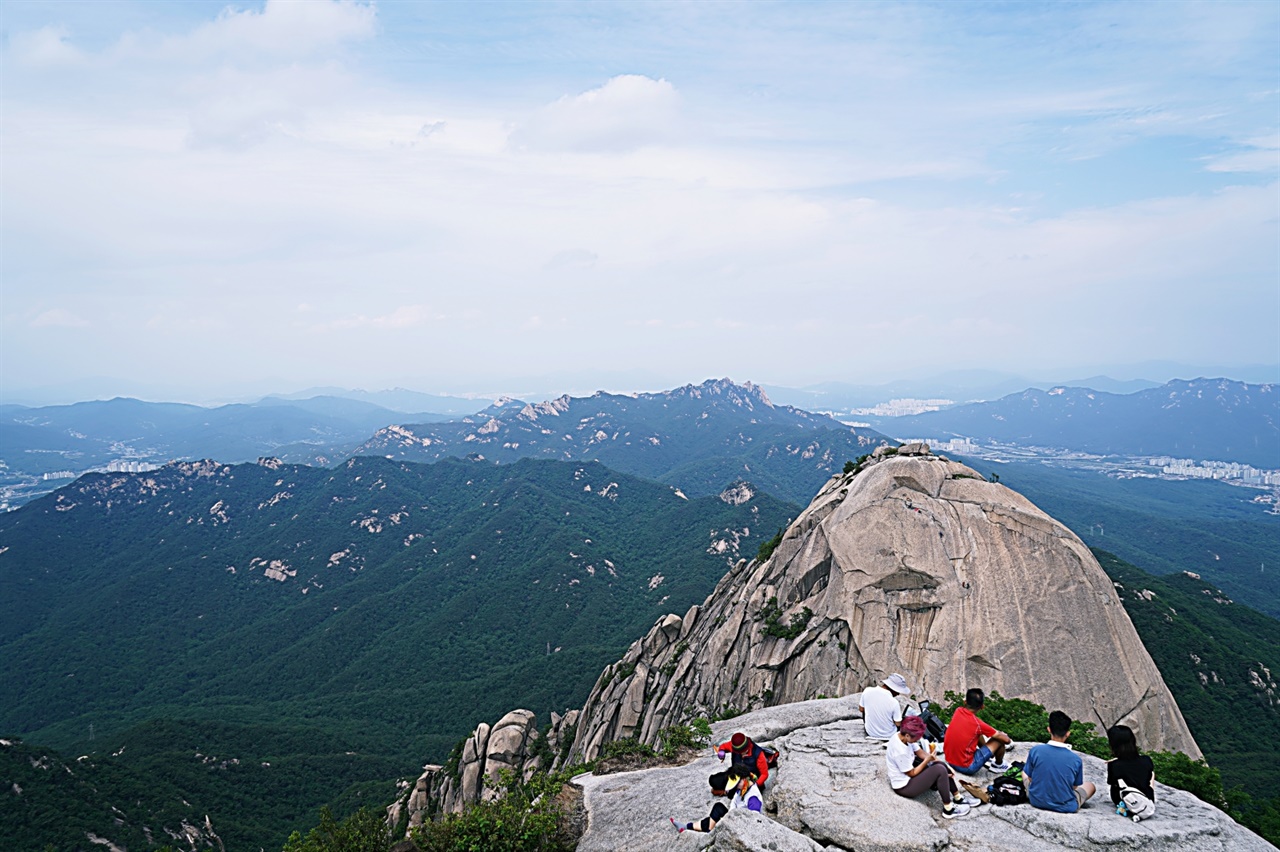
897	683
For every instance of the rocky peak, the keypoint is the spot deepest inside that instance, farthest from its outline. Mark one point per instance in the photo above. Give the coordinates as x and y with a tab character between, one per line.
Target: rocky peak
912	564
747	395
738	493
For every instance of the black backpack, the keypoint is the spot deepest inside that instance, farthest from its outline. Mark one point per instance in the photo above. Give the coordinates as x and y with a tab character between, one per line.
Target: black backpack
1007	790
935	729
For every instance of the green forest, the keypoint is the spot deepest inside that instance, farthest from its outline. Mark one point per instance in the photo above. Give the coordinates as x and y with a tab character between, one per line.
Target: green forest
423	600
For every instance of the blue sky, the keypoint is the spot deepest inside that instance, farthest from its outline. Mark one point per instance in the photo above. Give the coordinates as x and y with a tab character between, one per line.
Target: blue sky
203	199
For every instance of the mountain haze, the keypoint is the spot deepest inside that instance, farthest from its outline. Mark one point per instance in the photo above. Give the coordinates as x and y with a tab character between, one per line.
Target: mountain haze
1214	419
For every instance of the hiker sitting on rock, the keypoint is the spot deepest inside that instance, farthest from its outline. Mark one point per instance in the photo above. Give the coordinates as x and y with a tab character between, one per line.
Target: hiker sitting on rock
1132	770
1054	773
912	780
970	742
748	758
881	712
746	794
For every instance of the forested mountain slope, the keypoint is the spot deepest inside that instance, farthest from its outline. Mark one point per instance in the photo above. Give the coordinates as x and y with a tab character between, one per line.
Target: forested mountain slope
386	605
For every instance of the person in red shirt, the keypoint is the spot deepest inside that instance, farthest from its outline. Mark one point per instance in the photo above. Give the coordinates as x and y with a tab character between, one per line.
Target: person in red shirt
970	742
747	757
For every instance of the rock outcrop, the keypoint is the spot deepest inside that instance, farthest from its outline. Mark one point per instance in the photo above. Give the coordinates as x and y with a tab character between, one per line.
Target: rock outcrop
831	791
508	744
911	564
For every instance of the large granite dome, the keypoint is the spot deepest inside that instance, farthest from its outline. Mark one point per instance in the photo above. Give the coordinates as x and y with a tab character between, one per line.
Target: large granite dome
913	564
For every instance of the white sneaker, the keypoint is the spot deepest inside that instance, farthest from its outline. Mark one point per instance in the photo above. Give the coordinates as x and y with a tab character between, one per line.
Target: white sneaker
956	811
997	768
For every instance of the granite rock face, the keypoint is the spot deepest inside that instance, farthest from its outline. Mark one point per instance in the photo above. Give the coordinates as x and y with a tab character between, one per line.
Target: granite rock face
831	791
912	564
489	750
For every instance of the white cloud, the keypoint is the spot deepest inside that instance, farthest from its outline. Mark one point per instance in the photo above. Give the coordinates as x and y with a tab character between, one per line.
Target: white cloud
283	28
629	111
235	173
405	316
58	318
1261	156
44	48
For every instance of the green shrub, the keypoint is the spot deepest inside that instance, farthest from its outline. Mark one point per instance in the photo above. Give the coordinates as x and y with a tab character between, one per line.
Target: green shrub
363	831
630	747
1195	776
773	626
524	818
696	734
768	547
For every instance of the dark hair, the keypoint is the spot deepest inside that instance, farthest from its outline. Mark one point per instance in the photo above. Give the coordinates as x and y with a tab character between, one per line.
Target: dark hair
975	698
1059	723
1123	744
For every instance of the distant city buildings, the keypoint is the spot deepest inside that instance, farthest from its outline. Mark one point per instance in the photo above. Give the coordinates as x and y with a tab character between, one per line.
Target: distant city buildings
954	445
1124	468
122	466
903	407
1192	469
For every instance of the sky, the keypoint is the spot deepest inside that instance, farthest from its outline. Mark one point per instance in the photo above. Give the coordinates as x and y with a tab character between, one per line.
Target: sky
200	200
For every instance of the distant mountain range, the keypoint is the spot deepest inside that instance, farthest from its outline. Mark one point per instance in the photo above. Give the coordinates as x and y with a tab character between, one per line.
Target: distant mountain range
957	386
395	399
35	441
1209	419
697	437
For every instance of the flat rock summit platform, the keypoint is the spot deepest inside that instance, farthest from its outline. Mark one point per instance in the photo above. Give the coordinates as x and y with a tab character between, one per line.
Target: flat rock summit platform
831	792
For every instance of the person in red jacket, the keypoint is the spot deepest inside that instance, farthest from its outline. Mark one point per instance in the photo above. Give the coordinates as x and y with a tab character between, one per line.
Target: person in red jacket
747	756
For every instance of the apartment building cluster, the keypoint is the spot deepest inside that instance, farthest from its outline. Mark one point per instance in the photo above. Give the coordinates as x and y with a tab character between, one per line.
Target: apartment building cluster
1215	470
903	407
960	446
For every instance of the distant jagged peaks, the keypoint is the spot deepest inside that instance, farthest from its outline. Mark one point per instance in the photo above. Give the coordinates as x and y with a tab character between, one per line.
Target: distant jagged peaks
697	437
747	394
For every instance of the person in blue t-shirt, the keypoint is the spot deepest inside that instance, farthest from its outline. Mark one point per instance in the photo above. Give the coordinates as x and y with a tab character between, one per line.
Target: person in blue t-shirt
1054	774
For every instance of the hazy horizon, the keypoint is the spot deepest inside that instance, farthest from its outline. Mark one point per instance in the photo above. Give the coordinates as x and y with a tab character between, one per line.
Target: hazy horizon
233	200
543	388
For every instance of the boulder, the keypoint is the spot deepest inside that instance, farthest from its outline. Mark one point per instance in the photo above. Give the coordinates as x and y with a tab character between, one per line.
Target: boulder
914	565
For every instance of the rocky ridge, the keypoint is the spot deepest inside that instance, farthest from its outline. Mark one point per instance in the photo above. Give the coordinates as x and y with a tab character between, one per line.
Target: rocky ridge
911	564
830	791
508	745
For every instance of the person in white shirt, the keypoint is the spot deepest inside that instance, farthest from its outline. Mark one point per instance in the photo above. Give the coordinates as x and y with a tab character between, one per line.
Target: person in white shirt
881	712
911	780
